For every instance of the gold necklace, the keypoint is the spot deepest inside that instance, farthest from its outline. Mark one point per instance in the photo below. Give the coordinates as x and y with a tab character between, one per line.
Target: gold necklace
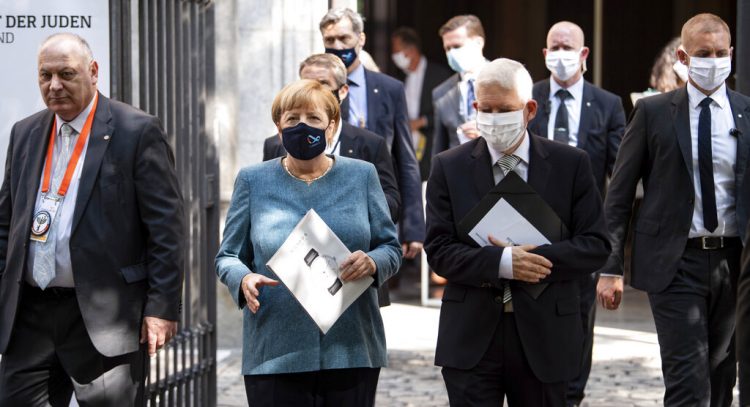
308	181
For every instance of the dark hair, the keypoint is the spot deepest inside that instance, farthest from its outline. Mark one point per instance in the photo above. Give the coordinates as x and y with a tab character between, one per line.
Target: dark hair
471	22
408	36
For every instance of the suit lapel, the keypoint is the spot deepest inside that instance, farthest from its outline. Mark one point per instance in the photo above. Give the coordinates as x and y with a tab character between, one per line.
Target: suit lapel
347	144
37	149
481	168
741	115
588	104
101	132
374	99
544	108
681	120
539	168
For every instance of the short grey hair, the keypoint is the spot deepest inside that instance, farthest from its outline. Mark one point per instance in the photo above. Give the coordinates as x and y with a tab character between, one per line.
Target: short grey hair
335	15
327	61
507	74
83	45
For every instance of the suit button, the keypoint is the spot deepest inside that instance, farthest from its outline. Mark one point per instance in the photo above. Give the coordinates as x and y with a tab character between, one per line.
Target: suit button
499	299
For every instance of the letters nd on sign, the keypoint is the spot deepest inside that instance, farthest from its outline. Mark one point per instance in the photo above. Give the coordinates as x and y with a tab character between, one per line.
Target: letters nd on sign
46	21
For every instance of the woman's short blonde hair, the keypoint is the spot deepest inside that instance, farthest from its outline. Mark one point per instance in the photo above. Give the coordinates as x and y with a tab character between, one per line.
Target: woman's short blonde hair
305	93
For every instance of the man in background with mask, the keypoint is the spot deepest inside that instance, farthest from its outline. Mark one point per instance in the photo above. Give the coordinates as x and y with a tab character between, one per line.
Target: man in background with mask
377	102
463	41
420	77
690	147
575	112
495	340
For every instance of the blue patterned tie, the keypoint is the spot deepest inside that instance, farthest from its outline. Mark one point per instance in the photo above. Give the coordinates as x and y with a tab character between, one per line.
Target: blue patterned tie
470	97
44	252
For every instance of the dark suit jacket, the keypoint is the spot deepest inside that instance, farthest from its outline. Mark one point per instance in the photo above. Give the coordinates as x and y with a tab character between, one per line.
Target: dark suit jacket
743	317
550	326
126	243
446	99
434	75
600	128
361	144
657	149
387	117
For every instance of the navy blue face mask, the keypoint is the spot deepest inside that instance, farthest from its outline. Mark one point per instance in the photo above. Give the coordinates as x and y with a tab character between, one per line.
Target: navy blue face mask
304	142
347	55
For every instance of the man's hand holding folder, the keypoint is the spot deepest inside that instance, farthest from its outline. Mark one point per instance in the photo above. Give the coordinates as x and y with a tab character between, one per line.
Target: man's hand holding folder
528	267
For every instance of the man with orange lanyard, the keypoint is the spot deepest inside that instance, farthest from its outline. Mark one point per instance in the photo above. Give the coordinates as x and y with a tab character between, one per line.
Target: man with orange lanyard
91	231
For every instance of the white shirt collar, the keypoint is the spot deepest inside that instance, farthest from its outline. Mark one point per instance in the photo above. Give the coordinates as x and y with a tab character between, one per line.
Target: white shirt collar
521	152
695	96
335	139
80	120
576	89
465	76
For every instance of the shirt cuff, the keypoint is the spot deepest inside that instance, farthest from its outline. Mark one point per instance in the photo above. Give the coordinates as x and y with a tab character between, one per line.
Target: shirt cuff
609	275
506	264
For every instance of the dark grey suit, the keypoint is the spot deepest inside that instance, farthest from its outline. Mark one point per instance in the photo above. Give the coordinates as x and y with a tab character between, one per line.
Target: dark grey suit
126	255
692	291
447	100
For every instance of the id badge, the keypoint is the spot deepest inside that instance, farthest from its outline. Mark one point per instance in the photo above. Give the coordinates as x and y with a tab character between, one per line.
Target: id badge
43	218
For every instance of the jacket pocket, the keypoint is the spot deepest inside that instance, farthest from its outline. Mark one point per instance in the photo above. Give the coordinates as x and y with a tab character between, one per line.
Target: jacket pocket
453	293
647	226
134	273
567	306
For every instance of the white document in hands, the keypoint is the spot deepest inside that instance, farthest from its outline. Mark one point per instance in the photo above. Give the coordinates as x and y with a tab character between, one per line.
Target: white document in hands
504	223
308	265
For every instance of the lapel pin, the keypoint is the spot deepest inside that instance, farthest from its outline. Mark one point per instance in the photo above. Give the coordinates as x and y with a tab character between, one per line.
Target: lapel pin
739	115
588	104
351	151
375	90
106	137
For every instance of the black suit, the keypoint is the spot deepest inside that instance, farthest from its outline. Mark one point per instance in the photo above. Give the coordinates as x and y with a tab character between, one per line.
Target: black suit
125	250
434	75
743	319
387	117
657	149
471	315
600	129
367	146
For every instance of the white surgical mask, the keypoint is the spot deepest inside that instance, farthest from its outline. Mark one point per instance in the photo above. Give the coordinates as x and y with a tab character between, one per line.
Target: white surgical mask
563	64
465	58
681	70
501	130
709	73
401	60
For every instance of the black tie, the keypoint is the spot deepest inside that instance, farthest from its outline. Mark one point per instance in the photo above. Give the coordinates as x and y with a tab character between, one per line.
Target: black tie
706	166
561	119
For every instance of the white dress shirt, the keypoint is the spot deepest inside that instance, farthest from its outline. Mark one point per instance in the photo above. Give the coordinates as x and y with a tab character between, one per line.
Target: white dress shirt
574	109
335	146
724	151
413	88
522	169
63	266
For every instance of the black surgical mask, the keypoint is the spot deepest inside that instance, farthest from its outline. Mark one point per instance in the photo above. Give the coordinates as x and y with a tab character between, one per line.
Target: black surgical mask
304	142
347	55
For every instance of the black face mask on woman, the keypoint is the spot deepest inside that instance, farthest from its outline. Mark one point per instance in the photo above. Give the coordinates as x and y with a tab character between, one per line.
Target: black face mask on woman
304	142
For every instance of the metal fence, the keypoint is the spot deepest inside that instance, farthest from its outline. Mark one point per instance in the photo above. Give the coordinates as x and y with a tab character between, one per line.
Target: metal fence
162	58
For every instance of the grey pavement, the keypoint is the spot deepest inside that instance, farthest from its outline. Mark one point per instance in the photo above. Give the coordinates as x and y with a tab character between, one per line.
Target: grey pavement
626	369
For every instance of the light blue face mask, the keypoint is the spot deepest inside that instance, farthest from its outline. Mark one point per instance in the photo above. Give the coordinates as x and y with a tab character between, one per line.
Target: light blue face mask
452	62
465	58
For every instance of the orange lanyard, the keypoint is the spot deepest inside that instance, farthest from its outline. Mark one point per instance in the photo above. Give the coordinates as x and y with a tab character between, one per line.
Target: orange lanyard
73	162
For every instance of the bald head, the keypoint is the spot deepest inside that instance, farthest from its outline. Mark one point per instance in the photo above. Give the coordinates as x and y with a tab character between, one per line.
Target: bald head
567	33
68	74
702	25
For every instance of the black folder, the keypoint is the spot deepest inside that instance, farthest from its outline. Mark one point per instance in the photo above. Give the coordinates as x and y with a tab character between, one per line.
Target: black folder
522	197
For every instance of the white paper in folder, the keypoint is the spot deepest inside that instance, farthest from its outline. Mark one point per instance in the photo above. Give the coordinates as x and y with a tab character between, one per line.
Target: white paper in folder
504	223
308	265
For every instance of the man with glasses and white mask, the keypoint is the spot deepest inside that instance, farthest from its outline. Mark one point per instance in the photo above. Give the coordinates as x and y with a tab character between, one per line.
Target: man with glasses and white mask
690	147
463	40
495	340
575	112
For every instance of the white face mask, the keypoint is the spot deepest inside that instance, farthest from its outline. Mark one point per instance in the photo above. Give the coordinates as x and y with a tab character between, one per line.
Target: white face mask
709	73
563	64
501	130
401	60
465	58
681	70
